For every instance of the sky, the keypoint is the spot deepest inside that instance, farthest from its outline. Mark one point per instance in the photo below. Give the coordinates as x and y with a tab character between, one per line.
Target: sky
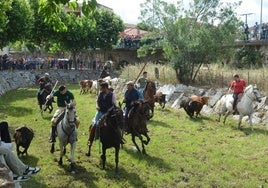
129	10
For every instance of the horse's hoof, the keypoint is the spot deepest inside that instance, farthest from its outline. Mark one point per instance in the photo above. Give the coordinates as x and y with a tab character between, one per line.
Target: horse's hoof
88	154
52	150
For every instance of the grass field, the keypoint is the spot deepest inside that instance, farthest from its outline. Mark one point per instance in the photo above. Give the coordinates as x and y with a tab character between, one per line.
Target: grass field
183	152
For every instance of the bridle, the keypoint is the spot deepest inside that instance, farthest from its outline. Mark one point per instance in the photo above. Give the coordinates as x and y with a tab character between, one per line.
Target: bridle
255	94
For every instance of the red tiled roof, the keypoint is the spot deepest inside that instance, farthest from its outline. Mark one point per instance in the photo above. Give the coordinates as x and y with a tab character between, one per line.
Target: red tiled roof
133	32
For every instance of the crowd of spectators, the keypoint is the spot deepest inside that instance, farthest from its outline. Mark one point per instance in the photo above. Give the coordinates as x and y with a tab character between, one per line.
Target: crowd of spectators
256	32
35	63
130	41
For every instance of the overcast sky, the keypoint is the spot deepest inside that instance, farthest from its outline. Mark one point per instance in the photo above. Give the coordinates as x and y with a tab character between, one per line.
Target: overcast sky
129	10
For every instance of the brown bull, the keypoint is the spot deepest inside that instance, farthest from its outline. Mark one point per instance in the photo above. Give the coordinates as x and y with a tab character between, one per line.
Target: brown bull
85	86
194	105
161	99
23	137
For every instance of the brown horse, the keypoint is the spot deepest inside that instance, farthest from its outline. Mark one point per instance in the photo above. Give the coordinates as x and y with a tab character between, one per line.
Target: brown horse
109	134
137	122
149	95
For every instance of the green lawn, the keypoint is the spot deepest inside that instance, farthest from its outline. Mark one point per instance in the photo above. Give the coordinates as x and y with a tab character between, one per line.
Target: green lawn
183	152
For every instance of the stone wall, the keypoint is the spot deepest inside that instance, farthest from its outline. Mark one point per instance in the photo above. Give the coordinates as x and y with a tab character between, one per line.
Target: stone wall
10	80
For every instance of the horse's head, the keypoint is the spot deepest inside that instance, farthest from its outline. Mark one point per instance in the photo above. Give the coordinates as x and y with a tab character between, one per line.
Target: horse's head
150	88
253	92
70	112
144	109
256	93
113	117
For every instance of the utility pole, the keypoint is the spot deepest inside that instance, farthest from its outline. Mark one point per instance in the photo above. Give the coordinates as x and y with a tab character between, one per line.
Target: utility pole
246	15
260	26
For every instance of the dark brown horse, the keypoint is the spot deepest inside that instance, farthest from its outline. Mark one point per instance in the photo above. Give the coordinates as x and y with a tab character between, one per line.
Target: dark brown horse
41	97
109	133
137	122
149	95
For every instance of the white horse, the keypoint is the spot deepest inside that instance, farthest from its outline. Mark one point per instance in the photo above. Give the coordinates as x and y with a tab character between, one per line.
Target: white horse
245	106
67	133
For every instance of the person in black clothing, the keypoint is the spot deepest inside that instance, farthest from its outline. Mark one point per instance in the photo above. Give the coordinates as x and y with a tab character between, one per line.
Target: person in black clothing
131	95
4	132
104	72
105	101
246	32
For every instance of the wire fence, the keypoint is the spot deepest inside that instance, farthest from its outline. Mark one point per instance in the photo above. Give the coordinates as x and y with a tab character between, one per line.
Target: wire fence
212	77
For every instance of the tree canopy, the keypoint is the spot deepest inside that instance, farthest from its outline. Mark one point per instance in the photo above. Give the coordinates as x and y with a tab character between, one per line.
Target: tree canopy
190	36
17	21
50	9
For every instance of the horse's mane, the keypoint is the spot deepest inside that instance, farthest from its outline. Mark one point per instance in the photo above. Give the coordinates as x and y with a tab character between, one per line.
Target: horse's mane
249	87
110	113
148	82
134	112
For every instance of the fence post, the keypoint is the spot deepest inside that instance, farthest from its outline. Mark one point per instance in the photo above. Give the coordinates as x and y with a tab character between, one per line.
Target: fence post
156	73
248	77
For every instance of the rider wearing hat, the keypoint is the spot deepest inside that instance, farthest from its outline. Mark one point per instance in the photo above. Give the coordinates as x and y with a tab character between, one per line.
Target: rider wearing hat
131	95
63	96
43	82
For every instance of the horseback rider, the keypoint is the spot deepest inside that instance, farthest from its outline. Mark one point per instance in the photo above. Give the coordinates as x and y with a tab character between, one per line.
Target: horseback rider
142	82
63	96
237	85
43	82
104	73
105	101
131	95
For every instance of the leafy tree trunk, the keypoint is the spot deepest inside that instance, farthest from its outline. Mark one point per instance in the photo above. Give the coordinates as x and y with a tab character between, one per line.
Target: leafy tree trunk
183	75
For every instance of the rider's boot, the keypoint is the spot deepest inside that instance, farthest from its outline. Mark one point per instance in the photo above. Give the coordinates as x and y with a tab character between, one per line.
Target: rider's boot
53	134
126	127
91	135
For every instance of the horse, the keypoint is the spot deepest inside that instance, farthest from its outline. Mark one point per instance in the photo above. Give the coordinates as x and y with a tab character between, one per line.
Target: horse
137	119
67	133
108	131
244	106
149	95
194	105
41	97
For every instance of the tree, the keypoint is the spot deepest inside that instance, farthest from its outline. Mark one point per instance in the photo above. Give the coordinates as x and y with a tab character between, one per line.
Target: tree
78	35
190	37
4	6
41	32
108	26
50	9
18	22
